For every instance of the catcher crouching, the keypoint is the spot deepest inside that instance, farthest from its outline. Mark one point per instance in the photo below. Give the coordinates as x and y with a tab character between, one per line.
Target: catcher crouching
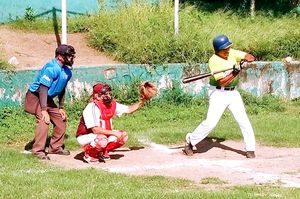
95	131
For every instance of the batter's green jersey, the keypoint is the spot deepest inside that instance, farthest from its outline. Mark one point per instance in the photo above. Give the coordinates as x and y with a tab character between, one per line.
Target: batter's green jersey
217	63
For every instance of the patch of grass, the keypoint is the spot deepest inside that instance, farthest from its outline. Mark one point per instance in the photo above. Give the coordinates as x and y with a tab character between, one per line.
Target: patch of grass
212	180
266	103
23	176
167	119
6	66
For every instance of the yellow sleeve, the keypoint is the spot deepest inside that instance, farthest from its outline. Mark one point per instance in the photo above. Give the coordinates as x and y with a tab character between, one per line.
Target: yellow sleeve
217	63
237	54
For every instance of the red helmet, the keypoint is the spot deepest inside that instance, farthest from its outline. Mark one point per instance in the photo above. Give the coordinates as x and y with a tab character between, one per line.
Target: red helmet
101	88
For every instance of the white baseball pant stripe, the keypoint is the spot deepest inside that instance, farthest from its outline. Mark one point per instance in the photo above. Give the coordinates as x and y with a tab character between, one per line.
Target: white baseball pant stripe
219	100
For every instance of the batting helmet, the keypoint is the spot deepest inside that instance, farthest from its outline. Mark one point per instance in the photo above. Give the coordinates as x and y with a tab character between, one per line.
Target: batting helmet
65	50
221	42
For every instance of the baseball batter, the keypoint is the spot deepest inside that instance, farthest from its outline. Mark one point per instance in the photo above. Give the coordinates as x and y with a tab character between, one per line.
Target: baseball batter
223	94
95	131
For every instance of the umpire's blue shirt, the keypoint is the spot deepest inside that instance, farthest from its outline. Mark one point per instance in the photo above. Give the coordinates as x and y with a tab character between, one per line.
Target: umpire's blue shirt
54	76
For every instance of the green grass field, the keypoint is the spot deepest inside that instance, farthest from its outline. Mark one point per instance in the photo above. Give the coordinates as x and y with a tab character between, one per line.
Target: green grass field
22	176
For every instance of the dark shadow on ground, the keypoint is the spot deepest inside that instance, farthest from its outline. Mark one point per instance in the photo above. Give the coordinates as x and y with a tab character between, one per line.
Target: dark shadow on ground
210	142
28	146
79	156
116	156
134	148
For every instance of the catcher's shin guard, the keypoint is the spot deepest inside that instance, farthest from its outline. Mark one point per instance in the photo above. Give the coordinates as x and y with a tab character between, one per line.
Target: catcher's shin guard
111	146
91	151
115	143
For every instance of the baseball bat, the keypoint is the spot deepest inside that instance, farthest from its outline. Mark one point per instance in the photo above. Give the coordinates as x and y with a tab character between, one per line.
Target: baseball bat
201	76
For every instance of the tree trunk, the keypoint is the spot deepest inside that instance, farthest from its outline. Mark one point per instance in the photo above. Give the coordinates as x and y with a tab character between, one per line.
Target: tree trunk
294	3
252	8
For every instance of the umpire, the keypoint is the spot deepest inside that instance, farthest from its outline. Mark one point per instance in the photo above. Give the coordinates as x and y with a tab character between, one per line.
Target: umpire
50	82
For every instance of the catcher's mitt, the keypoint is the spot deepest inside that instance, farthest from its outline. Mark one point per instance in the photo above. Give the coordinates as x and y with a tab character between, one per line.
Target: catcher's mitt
147	90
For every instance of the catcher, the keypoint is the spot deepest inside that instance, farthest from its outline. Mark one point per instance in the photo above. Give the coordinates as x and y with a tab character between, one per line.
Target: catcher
95	131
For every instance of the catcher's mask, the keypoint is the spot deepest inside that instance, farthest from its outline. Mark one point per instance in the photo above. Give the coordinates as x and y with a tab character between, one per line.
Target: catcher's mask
105	91
67	52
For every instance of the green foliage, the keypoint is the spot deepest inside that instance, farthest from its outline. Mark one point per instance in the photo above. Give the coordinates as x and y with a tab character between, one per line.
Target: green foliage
269	8
167	118
6	66
287	45
151	39
76	107
37	25
267	103
82	24
176	96
127	93
29	14
14	123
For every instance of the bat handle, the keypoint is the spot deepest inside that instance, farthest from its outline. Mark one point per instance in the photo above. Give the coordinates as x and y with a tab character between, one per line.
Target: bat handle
194	78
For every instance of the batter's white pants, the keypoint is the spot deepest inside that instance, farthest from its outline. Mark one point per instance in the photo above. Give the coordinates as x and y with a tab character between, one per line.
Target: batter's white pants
219	100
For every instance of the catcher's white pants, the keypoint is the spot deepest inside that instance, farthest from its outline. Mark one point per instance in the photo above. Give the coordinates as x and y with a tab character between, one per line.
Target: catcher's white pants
219	100
89	138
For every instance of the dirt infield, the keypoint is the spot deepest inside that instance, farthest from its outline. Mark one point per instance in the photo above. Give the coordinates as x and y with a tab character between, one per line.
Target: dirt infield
33	50
223	160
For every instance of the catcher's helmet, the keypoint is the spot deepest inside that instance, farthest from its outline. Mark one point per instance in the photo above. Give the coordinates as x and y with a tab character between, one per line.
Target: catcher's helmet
221	42
101	88
65	50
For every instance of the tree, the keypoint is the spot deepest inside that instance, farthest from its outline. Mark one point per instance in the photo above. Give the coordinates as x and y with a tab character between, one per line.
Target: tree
252	8
294	3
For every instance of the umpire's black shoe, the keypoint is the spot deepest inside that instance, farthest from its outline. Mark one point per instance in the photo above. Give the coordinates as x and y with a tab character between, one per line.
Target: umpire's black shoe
41	156
60	152
250	154
188	149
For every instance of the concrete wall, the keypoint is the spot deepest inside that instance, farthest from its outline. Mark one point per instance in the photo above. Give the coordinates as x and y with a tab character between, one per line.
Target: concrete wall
260	78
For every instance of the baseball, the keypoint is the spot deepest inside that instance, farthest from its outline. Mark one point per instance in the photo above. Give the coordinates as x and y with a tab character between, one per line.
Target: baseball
288	59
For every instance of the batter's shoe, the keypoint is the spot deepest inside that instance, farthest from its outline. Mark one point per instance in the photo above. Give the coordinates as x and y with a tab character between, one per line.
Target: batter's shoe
188	149
250	154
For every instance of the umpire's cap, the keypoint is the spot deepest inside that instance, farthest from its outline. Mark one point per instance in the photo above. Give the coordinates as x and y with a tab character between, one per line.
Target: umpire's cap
65	50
